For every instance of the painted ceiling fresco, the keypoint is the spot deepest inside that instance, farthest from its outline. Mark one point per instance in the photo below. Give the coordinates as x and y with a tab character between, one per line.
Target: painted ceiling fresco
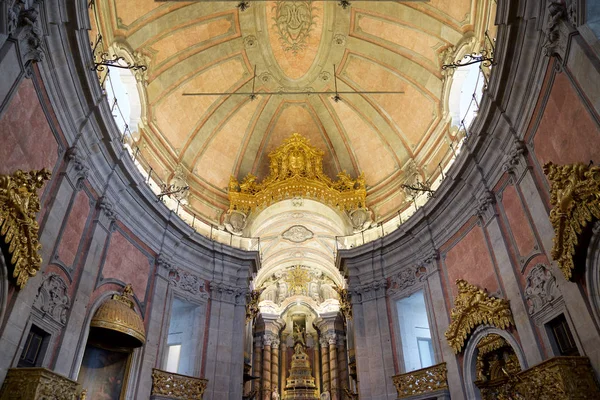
210	46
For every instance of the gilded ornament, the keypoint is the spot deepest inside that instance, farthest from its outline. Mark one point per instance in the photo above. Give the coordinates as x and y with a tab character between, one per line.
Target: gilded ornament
421	381
118	315
345	302
19	203
473	307
296	171
297	278
252	303
37	384
575	198
175	386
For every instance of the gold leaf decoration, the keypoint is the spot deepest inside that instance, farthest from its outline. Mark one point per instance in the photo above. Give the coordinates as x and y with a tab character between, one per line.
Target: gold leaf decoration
19	203
421	381
575	200
473	307
345	302
296	170
175	386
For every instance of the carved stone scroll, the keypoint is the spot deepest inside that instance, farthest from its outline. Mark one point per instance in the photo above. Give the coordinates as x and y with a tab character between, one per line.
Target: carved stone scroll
473	307
19	203
575	198
53	298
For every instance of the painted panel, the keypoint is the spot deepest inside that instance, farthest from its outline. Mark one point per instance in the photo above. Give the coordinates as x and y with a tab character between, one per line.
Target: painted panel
567	132
27	140
127	263
519	224
71	236
471	260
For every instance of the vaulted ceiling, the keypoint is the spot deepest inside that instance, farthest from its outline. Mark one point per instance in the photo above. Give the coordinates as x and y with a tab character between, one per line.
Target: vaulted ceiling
210	46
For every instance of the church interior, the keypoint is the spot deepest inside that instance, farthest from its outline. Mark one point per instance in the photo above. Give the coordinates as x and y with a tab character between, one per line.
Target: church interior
299	199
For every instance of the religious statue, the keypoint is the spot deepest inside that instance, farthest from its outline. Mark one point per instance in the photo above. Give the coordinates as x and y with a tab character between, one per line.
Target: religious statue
299	335
325	395
275	394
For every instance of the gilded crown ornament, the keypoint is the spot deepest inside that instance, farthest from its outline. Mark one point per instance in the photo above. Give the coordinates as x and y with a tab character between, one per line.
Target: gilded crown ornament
575	200
19	203
474	307
296	170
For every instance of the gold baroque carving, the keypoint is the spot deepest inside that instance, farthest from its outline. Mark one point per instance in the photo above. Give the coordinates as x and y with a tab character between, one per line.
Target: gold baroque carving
296	170
19	203
473	307
575	200
38	384
421	381
175	386
252	308
345	302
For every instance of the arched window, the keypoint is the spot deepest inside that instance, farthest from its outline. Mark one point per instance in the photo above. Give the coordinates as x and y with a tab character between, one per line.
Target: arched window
592	14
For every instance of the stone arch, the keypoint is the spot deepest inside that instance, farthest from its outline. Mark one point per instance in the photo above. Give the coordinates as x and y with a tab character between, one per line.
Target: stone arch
135	361
592	272
3	285
471	352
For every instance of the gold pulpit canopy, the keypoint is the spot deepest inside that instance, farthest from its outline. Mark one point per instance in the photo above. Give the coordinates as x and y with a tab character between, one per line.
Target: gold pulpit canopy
296	170
117	324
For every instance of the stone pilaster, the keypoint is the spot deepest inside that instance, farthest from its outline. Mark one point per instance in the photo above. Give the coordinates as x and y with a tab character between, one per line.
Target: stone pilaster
257	367
284	369
333	370
266	371
342	365
324	362
275	365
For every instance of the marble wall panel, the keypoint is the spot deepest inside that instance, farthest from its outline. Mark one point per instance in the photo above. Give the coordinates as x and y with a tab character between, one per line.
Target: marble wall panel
18	150
518	221
73	230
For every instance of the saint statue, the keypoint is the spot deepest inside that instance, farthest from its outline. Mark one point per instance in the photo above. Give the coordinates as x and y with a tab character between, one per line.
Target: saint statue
275	394
299	335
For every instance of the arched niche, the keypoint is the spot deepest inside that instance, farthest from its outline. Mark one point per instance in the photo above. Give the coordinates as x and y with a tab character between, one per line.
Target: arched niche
592	272
471	354
104	367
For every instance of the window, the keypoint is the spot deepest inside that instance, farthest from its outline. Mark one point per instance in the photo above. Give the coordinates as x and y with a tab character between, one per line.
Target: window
183	342
415	334
35	348
173	357
562	339
593	16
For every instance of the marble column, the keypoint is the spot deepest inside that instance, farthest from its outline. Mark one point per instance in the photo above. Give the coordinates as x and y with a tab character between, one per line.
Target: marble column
257	368
342	365
266	374
275	365
284	358
333	370
324	362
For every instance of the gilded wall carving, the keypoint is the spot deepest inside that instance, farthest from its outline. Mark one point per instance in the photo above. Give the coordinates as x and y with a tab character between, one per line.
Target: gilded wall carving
298	280
38	384
575	200
422	381
175	386
474	307
296	170
19	203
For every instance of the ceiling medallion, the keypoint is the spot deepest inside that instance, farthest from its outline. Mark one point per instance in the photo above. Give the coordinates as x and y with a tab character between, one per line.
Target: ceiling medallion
296	170
294	21
297	234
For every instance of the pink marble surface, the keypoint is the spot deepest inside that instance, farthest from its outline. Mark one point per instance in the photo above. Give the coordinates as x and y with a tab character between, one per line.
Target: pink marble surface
27	141
71	236
517	219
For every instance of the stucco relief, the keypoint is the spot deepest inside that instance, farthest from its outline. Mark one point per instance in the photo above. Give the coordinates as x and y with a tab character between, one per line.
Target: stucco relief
187	282
53	299
235	222
297	234
298	280
294	21
406	278
541	288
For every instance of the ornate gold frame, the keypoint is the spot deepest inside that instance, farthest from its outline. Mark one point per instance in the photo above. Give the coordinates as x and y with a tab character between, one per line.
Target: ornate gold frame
19	203
575	198
473	307
296	170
